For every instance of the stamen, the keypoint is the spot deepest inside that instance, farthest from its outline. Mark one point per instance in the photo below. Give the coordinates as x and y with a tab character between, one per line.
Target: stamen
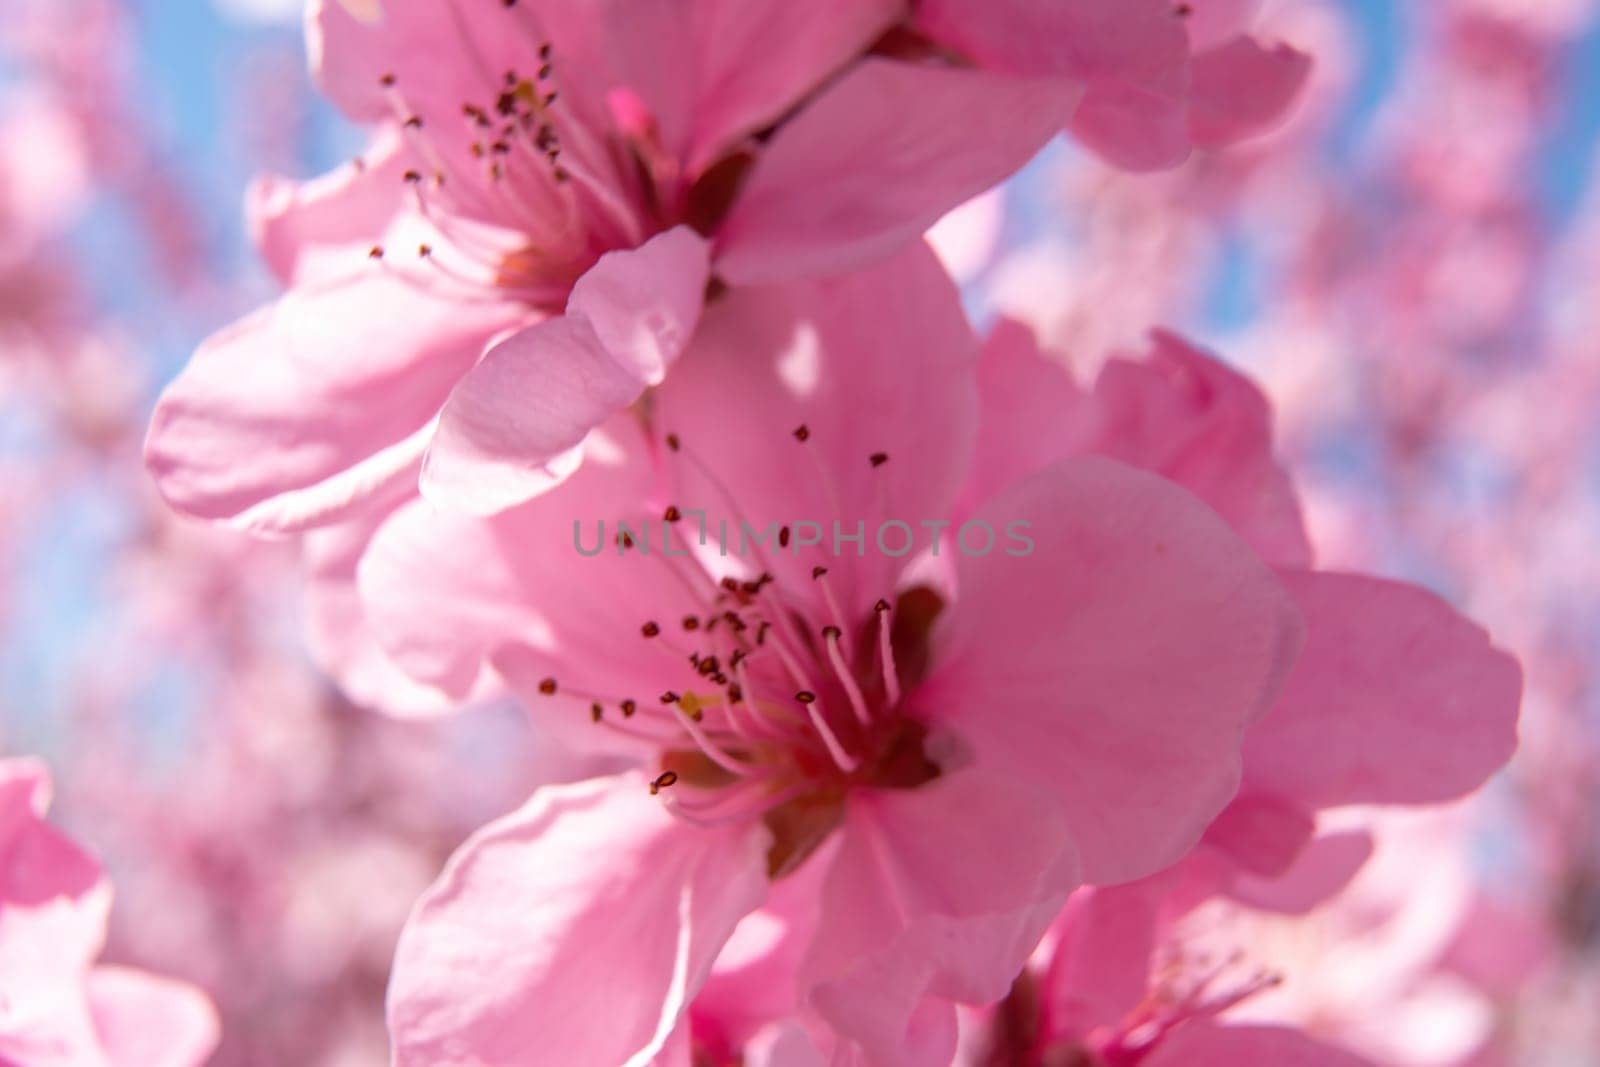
819	575
717	754
847	680
891	675
846	763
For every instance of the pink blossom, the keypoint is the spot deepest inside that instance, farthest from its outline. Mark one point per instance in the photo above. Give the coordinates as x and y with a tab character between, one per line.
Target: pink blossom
602	160
816	710
57	1007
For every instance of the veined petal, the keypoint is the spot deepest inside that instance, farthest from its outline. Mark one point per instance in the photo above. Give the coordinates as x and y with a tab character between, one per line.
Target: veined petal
588	889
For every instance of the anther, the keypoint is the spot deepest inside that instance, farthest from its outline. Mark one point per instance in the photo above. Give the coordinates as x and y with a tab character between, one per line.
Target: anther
387	81
548	687
881	606
628	708
672	513
673	442
650	629
818	572
783	537
878	459
691	622
596	712
806	696
802	433
662	781
669	697
376	252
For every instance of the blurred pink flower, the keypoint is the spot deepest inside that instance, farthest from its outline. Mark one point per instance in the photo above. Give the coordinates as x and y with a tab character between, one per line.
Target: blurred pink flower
57	1007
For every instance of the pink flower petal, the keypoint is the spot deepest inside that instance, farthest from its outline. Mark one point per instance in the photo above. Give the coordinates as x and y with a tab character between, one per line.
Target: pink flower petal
1240	88
876	159
512	428
1261	834
1033	412
757	57
322	228
445	593
940	892
1396	700
1118	663
300	413
146	1021
588	889
1323	868
1190	418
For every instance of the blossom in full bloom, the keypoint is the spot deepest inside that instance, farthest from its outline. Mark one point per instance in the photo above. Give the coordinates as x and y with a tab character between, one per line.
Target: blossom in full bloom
948	749
57	1007
552	188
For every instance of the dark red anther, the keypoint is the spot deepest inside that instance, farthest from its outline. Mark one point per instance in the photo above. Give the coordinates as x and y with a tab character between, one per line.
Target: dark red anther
878	459
662	781
650	629
548	687
806	696
628	708
802	433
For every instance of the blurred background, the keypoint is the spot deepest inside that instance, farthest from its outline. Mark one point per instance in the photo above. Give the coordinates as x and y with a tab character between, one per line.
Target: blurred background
1410	266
